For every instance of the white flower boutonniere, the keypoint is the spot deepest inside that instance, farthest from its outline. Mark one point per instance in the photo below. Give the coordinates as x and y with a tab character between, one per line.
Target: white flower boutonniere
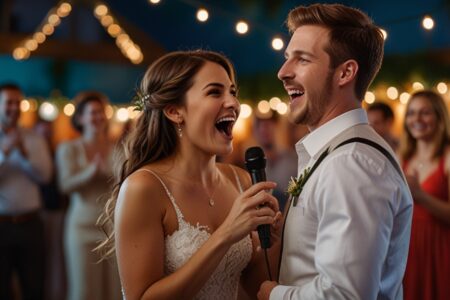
296	185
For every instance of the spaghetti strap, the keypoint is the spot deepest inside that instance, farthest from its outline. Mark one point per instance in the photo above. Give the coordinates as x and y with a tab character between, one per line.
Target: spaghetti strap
237	179
180	216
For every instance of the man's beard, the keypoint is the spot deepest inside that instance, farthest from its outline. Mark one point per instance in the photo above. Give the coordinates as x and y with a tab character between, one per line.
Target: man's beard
317	103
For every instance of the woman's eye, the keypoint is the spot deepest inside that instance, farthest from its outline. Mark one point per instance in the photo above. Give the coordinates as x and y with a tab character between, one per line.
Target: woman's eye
214	92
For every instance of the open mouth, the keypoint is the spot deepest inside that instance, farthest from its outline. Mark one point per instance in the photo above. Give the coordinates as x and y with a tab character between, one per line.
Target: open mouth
225	126
295	94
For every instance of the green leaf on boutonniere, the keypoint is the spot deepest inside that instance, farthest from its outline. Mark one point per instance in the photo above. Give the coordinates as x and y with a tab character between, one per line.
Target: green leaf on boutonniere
296	185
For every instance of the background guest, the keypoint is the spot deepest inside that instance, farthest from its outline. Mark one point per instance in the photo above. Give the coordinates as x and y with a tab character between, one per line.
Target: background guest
425	153
24	164
84	167
381	118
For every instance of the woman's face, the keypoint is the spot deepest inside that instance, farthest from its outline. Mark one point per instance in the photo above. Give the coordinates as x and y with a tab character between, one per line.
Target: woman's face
421	119
93	117
211	110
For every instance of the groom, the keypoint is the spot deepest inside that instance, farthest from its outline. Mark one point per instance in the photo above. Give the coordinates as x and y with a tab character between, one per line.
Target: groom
346	235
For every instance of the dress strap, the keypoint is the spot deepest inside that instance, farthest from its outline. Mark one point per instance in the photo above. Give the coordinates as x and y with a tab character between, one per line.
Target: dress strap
180	216
237	179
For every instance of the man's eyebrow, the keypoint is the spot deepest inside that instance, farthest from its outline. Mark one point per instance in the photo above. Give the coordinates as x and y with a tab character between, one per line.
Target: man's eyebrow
297	53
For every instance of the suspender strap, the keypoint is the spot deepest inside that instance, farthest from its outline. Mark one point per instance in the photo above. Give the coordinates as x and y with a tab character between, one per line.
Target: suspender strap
376	146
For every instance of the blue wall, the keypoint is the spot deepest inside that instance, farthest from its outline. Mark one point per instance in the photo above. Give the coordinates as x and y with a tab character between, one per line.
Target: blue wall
38	77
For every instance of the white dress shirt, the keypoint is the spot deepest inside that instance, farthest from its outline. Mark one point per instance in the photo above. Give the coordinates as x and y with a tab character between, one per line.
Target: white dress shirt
348	235
20	176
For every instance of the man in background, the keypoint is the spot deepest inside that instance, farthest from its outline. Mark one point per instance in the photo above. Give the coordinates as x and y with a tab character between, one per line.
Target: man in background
381	118
24	164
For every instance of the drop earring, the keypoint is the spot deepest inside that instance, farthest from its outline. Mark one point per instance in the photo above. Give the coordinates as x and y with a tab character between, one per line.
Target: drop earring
180	131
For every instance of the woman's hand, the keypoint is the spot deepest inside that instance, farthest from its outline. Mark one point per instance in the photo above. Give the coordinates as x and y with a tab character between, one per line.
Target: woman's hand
254	207
414	186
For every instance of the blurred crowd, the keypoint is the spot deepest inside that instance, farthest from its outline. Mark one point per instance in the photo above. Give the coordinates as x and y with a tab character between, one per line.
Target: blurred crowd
51	196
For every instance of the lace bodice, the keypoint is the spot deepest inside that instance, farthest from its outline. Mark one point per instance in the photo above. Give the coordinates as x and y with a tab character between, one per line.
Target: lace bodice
187	239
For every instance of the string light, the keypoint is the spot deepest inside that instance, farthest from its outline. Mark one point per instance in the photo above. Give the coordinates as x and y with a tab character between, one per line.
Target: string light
69	109
442	88
273	102
52	20
282	108
392	93
427	23
202	15
242	27
246	111
154	1
277	43
369	97
264	106
417	86
404	97
126	45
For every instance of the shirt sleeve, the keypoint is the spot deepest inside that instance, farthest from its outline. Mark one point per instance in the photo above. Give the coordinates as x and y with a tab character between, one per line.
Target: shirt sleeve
38	164
72	176
353	202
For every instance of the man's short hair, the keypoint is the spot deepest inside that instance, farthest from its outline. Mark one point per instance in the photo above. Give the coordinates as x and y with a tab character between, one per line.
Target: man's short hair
352	35
382	107
9	86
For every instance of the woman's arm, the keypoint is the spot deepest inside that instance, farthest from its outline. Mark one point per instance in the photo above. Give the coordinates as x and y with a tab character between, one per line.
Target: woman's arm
140	240
438	208
70	178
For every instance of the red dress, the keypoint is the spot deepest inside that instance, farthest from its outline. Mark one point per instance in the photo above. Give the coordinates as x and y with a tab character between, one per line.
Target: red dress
427	275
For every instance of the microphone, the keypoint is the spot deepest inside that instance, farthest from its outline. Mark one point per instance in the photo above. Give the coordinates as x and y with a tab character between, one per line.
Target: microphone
255	162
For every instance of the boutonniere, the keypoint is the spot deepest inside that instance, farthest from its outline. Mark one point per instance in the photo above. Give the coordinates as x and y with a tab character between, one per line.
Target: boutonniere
296	185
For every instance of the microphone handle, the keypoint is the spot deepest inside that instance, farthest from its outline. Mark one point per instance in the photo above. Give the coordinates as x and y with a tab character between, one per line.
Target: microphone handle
264	229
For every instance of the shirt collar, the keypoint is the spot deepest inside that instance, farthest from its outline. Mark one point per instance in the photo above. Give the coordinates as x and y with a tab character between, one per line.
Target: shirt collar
321	136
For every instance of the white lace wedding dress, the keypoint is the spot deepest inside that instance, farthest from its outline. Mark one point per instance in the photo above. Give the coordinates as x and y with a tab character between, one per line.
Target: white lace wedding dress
184	242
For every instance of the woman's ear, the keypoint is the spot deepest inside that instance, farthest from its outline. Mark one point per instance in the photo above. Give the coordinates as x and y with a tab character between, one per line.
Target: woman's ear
173	113
347	72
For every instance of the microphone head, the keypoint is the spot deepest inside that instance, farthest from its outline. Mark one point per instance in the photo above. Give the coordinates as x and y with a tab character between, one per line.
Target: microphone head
255	158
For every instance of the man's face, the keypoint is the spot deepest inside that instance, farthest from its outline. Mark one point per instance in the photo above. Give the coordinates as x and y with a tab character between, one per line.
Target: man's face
10	107
381	125
306	75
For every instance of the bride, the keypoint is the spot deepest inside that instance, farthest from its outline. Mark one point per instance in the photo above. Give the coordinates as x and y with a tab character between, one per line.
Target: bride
182	222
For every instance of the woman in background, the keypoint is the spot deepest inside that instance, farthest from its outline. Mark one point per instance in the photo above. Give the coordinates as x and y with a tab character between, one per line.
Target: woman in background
425	155
182	221
84	169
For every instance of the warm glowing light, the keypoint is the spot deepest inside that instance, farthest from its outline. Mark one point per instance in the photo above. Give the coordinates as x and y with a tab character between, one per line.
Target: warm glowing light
25	105
246	111
277	43
122	115
31	45
274	101
427	23
442	88
21	53
369	97
64	9
106	20
242	27
384	32
101	10
69	109
114	30
154	1
392	93
48	111
404	97
39	37
132	113
48	29
54	20
264	106
202	15
282	108
109	111
417	86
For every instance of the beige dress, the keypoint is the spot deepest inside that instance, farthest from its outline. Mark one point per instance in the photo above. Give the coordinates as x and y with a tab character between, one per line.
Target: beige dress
87	278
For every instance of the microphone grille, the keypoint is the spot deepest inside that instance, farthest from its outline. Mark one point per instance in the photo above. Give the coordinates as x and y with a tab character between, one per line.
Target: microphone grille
255	158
